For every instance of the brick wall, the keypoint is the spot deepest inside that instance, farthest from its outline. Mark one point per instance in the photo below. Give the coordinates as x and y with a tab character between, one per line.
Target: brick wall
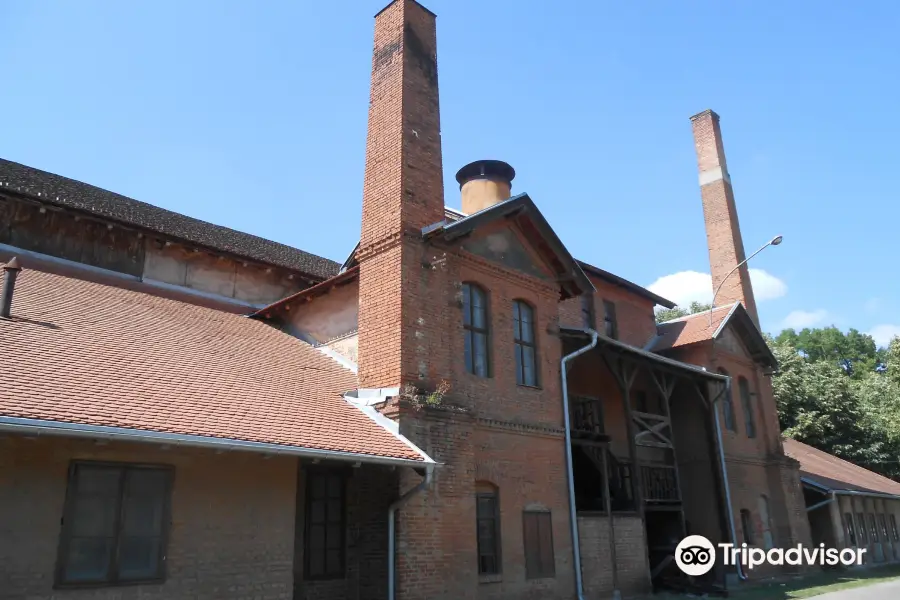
631	555
634	313
589	377
723	231
756	466
370	490
528	470
498	396
402	192
436	551
232	532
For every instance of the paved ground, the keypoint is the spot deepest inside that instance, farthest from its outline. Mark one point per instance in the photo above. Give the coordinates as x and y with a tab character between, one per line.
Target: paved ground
890	590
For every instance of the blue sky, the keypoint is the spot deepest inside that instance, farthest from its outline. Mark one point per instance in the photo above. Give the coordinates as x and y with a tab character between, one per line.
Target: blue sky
253	115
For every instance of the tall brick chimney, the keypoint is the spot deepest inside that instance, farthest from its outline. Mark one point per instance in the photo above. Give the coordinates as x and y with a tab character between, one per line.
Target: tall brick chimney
723	232
402	193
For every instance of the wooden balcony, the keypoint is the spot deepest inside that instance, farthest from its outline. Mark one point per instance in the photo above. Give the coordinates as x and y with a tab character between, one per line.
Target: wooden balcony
660	484
587	419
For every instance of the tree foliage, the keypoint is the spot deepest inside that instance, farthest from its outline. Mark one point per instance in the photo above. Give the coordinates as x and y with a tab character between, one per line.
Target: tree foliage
667	314
853	351
838	392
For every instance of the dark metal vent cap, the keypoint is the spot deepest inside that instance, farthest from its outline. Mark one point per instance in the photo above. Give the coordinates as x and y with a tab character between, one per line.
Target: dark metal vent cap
486	169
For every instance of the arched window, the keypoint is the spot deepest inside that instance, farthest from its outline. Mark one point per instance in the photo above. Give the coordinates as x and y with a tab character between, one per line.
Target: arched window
728	407
768	540
475	323
525	346
747	404
487	514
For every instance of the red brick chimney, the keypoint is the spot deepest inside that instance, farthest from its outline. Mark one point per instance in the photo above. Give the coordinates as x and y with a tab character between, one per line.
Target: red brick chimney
403	192
723	232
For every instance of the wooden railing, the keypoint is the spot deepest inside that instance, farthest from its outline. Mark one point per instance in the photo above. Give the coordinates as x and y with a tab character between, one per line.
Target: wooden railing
618	474
587	417
660	483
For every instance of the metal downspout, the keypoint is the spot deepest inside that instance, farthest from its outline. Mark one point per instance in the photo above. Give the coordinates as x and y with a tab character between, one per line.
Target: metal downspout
392	511
730	510
573	515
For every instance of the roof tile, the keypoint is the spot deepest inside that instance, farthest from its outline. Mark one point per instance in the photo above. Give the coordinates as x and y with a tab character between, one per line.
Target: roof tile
82	352
690	329
70	193
836	473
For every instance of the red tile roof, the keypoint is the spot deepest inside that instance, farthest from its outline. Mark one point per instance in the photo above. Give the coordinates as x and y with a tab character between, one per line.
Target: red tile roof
835	473
690	329
86	353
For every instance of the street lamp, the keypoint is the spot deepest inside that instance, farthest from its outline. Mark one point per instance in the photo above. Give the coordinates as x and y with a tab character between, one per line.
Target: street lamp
773	242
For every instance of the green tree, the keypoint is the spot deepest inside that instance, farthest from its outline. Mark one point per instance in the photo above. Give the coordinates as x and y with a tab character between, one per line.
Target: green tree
667	314
836	392
854	352
891	360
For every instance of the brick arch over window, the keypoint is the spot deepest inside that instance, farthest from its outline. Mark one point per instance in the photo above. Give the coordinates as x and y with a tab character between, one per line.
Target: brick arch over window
477	327
728	406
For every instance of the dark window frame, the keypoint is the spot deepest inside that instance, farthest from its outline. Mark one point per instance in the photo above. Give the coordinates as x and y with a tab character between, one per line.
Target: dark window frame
308	550
894	532
747	527
884	530
495	550
520	344
545	567
747	405
849	528
472	332
610	322
113	578
861	528
873	526
728	407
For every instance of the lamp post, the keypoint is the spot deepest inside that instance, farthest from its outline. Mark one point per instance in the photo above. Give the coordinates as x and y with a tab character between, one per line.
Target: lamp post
773	242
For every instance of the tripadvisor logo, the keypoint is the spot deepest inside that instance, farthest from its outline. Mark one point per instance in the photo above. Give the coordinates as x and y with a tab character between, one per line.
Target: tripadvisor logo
695	555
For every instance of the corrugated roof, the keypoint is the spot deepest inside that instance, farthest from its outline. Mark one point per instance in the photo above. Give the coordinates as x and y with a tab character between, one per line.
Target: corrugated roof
836	473
82	352
72	194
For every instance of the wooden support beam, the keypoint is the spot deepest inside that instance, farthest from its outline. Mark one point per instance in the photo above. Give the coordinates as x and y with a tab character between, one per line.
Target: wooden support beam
625	373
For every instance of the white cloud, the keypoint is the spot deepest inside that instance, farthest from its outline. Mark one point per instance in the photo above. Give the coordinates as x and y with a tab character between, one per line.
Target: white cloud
685	287
882	334
766	286
799	319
